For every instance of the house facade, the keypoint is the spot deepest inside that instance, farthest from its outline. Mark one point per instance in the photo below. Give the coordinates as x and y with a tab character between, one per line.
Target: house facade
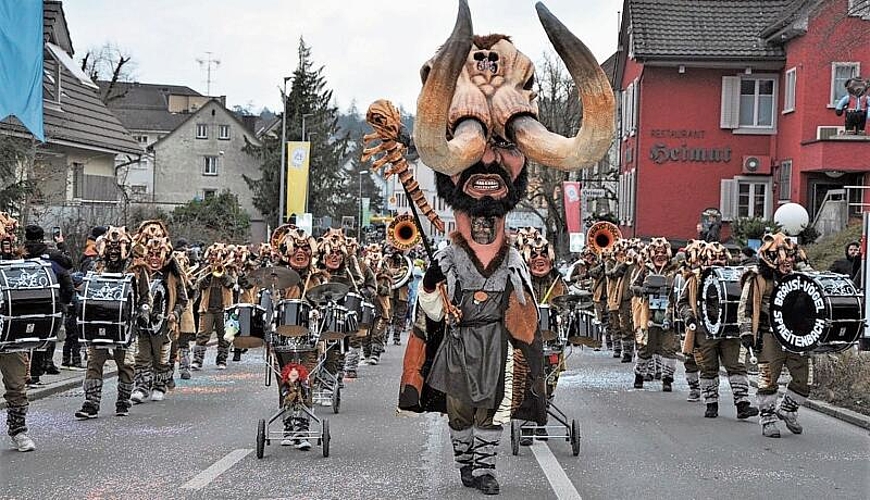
204	156
728	104
74	169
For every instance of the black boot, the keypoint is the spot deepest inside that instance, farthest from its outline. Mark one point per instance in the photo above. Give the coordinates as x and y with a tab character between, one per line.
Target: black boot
666	384
487	484
745	410
626	357
466	476
237	355
638	381
712	410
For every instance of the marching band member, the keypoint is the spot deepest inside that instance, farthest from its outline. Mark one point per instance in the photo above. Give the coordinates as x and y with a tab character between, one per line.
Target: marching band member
395	263
153	261
294	248
374	264
777	257
592	269
13	365
654	322
355	345
185	331
113	254
216	288
685	267
713	351
618	274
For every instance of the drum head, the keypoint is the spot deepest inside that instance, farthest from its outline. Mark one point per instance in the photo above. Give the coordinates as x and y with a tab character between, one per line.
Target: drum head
291	331
718	300
247	342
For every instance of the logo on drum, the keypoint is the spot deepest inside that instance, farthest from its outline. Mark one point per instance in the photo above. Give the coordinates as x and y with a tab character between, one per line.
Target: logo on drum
798	313
30	328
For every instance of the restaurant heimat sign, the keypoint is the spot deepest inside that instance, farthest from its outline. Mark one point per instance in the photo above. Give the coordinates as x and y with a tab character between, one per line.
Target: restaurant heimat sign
661	152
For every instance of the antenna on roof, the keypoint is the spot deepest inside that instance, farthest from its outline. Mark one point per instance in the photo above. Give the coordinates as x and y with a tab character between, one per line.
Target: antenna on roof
208	63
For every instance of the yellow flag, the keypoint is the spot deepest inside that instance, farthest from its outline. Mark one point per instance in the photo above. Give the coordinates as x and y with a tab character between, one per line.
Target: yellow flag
297	176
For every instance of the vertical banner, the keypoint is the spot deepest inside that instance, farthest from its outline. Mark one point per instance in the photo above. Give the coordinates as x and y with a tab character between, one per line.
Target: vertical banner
297	177
21	38
366	212
571	196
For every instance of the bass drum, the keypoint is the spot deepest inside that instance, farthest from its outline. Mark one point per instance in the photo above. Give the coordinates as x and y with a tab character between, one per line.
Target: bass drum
104	313
719	299
818	312
158	322
30	313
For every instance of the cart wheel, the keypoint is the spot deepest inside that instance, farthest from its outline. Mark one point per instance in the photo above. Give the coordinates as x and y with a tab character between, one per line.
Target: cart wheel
261	438
575	438
336	399
324	433
516	434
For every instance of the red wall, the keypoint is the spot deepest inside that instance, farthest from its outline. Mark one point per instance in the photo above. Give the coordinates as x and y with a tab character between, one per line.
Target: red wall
831	36
671	195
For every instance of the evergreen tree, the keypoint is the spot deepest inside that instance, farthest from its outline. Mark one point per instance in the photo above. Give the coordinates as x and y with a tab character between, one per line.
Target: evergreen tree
329	179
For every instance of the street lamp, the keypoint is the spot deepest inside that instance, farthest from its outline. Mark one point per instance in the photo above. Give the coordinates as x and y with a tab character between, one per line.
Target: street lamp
359	225
283	195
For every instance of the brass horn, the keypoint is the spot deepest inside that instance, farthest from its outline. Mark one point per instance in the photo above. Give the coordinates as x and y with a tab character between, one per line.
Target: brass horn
402	233
602	235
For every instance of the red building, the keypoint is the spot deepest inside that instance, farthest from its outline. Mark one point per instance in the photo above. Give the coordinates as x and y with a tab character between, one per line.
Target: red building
729	104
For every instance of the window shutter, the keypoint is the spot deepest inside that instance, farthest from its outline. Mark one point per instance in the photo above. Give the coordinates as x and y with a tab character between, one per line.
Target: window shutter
634	105
728	198
730	113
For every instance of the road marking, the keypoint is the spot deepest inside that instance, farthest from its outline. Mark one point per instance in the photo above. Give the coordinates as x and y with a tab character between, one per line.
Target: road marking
562	486
207	476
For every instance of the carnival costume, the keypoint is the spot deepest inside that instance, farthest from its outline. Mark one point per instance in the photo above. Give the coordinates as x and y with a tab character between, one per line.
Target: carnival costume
777	257
216	289
113	250
476	306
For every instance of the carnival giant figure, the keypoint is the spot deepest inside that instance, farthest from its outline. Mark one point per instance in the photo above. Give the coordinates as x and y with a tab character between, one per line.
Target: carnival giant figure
476	127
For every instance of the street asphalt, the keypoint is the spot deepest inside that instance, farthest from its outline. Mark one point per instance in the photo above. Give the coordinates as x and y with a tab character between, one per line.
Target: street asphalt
636	444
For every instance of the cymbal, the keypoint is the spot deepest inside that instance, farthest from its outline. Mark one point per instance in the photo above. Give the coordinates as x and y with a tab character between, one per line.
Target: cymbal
274	277
583	299
327	292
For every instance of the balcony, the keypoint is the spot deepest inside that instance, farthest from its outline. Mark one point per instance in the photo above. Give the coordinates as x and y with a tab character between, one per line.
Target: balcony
836	152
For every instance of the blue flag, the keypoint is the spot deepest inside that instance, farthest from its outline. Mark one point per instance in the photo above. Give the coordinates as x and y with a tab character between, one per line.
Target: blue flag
21	63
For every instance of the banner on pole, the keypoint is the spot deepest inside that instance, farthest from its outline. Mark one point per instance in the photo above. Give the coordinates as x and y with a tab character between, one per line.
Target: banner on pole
21	63
571	196
366	212
297	176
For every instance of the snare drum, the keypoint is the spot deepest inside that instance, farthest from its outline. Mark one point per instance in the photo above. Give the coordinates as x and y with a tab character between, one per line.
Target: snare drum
353	303
29	305
339	320
819	312
247	321
547	322
719	299
294	316
104	313
367	316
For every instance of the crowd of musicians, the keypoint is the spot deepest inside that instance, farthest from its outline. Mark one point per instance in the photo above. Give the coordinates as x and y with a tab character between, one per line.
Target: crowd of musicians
645	297
182	296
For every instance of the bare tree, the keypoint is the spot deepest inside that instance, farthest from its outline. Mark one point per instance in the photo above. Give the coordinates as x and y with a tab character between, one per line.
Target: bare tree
111	64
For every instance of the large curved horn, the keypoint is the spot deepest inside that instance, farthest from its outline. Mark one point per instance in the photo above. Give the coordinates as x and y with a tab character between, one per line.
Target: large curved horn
595	136
433	105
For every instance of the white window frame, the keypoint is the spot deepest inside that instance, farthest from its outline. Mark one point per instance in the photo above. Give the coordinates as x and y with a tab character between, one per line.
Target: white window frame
730	106
790	97
754	184
202	131
221	130
627	188
785	175
210	161
838	91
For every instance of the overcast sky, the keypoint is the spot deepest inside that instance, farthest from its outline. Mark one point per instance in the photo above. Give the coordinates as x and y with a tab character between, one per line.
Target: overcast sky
370	49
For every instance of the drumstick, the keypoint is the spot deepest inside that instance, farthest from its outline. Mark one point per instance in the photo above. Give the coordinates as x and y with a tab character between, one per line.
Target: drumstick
752	358
547	295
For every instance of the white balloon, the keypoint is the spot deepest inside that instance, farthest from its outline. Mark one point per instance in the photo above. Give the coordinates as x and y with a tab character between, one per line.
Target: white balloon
792	217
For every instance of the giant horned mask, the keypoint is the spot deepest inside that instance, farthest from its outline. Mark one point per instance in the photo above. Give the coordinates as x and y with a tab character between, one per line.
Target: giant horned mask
536	251
477	117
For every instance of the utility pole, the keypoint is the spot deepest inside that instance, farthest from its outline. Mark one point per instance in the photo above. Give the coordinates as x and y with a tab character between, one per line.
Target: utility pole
282	196
208	63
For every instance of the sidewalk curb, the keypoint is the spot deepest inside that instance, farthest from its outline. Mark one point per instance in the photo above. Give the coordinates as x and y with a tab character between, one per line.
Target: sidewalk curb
70	383
843	414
